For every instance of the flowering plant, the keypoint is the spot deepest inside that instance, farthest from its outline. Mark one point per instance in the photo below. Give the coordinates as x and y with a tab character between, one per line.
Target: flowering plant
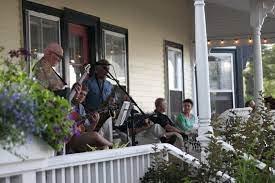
26	107
17	117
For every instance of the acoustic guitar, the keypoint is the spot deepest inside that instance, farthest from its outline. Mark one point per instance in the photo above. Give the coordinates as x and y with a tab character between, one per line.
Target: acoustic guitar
104	113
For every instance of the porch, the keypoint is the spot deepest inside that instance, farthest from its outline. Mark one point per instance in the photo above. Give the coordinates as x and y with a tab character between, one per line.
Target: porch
141	67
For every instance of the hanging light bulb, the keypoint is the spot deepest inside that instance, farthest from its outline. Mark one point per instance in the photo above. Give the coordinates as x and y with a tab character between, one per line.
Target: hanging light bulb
208	42
265	40
250	40
222	41
236	41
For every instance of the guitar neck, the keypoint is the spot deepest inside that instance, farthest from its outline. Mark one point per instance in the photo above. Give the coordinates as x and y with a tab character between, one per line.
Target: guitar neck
73	92
80	81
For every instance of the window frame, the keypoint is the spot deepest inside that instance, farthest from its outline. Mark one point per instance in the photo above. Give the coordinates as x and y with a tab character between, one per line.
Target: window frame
117	31
175	49
46	17
41	11
180	47
232	74
238	66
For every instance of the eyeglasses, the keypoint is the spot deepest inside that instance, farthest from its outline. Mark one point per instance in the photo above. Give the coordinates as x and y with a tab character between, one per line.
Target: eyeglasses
59	56
106	68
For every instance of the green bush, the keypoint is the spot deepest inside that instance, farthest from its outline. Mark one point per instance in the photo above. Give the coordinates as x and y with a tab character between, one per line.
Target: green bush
49	111
253	138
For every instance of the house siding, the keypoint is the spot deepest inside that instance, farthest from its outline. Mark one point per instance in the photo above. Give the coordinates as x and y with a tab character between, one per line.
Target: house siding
149	23
10	24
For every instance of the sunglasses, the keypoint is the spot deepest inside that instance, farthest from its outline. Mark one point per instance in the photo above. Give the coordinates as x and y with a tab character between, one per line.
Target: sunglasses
59	56
106	68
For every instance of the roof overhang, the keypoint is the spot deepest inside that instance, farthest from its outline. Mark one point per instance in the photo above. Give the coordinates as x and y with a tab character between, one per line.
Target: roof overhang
229	20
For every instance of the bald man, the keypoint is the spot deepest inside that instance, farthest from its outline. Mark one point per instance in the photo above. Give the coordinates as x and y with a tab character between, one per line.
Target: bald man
43	70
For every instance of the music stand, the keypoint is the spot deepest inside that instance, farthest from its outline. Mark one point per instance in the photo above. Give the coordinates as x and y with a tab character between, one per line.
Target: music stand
124	113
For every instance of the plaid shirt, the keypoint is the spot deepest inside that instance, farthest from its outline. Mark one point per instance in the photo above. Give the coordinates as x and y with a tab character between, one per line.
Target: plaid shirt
46	76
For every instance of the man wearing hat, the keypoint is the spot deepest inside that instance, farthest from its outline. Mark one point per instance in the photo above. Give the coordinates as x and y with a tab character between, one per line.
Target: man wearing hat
43	70
100	93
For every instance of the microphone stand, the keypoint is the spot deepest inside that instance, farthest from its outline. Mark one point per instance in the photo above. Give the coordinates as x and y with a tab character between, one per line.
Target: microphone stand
132	101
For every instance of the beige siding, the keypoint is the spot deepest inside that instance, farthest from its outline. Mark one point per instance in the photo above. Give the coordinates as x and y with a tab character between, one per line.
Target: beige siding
10	24
149	23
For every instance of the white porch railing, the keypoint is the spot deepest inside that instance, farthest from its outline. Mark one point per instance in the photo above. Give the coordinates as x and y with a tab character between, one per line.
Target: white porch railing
125	165
108	166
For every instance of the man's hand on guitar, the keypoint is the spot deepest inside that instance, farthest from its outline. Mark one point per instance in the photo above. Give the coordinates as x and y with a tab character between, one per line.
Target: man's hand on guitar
77	88
147	124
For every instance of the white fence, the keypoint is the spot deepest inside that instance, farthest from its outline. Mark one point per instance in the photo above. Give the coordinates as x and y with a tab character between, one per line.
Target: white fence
108	166
126	165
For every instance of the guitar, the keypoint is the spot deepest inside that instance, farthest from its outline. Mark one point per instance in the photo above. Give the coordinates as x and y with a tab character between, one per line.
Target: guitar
80	81
105	113
80	119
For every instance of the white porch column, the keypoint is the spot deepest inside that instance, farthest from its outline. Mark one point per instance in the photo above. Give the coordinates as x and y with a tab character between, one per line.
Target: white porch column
259	9
257	57
202	75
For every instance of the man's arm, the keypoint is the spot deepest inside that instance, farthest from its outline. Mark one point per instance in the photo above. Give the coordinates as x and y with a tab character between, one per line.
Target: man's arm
144	127
170	128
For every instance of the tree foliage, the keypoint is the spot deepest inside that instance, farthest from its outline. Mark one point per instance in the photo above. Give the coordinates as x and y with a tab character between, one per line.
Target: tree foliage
268	55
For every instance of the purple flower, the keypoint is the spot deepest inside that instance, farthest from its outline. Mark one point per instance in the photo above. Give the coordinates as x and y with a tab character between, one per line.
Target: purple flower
17	110
24	52
75	130
15	96
57	129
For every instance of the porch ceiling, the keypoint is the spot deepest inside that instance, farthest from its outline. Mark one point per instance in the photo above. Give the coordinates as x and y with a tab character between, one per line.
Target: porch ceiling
242	5
230	19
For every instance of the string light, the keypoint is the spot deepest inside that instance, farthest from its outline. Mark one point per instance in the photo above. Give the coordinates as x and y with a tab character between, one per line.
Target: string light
236	41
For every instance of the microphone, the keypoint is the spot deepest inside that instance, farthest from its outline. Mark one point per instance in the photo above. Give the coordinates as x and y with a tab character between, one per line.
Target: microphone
108	76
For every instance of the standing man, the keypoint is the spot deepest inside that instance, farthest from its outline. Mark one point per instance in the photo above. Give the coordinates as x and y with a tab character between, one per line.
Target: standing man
43	70
100	94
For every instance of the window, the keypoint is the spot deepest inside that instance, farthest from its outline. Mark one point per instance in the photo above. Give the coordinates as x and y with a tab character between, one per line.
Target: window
174	67
42	29
115	53
221	78
115	50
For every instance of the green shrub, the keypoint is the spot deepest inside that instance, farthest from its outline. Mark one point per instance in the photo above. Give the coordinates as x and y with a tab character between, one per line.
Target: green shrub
254	137
49	112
